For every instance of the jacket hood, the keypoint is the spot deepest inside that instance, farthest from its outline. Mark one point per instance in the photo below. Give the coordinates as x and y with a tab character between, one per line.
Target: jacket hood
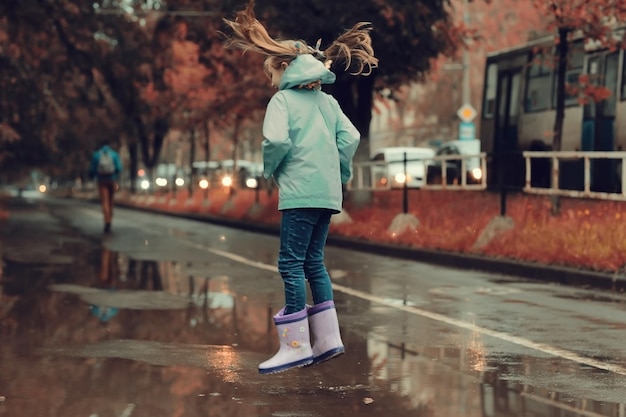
303	70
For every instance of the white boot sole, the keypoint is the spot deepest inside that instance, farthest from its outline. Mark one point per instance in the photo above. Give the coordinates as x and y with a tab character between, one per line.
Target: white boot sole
282	368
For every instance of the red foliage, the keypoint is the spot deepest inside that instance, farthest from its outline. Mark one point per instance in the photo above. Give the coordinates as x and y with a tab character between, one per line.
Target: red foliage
588	16
454	225
493	25
588	234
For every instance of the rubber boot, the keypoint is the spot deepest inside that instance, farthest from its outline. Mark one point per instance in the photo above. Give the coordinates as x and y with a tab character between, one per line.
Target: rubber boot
294	339
327	342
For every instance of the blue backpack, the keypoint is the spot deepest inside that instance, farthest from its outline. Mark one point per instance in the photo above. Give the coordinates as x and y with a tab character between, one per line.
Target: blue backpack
106	165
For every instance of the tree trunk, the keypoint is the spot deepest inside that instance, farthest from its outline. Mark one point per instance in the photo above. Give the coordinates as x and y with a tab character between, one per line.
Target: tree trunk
235	174
562	54
355	95
151	149
207	148
132	153
192	156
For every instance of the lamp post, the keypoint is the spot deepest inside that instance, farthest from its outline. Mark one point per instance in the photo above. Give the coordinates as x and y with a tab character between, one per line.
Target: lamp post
465	64
466	74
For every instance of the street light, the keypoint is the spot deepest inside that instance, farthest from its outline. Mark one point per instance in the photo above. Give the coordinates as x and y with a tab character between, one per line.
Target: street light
466	76
465	66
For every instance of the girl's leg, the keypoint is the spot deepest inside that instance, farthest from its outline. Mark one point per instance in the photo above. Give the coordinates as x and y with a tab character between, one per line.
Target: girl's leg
105	197
324	326
314	267
109	202
296	227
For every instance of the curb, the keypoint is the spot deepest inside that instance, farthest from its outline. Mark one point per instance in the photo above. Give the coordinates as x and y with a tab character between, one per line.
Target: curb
527	270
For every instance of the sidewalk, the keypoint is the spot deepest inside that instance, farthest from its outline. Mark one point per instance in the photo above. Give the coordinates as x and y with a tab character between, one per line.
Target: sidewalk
258	213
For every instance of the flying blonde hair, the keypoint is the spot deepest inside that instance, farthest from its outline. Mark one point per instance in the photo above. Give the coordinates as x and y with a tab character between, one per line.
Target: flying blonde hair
353	48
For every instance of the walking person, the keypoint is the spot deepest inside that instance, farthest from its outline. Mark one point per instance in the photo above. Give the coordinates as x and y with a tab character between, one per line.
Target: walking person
105	168
308	148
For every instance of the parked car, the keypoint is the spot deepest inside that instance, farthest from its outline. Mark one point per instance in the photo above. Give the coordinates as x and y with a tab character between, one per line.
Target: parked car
165	175
392	173
455	149
226	173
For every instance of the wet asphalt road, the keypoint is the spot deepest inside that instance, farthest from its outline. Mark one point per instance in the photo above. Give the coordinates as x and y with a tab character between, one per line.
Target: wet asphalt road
170	317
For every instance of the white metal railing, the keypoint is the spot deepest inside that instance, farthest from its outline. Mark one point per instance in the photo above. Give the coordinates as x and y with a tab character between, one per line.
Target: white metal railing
556	158
365	176
374	175
463	184
370	175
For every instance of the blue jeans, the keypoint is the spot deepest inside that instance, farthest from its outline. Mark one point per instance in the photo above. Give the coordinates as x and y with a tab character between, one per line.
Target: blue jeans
303	234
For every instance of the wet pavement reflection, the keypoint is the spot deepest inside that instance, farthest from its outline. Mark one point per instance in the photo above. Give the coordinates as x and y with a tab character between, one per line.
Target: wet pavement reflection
91	332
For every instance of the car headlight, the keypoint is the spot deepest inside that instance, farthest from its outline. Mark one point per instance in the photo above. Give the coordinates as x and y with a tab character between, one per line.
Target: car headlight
400	178
252	183
227	180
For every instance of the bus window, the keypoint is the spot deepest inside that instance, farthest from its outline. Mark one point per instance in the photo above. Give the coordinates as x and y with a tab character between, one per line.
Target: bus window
491	87
574	70
624	77
538	81
593	69
610	82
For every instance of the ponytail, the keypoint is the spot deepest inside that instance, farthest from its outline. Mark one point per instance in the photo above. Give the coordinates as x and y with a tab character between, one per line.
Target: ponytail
353	49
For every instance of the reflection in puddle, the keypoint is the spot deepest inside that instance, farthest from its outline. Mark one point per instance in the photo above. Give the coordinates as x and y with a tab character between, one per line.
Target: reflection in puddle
133	300
143	285
223	361
191	340
497	386
160	301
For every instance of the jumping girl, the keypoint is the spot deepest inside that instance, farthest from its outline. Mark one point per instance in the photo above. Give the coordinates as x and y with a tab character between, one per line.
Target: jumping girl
308	148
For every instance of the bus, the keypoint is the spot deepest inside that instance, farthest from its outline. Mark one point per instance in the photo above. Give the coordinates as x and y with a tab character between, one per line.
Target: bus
519	109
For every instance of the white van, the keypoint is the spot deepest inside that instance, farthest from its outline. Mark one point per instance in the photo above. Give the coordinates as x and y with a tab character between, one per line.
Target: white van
392	173
452	149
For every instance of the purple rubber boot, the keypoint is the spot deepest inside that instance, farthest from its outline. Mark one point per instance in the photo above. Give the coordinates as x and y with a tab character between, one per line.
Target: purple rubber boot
294	339
327	342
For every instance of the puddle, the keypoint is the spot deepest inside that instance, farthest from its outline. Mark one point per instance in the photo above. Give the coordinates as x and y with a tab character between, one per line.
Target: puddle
134	300
111	334
223	361
505	385
592	297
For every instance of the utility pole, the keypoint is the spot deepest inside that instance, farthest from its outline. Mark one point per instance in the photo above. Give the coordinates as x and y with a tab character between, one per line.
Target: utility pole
467	113
466	62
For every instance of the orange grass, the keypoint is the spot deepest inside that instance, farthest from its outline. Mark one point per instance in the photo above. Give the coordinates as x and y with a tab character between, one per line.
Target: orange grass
587	234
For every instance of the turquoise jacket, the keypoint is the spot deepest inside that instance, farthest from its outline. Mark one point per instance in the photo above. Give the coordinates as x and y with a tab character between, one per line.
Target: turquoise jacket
308	141
95	158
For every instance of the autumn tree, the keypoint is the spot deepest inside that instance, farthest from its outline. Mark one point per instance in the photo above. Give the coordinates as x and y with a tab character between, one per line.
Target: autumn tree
107	65
74	56
431	105
47	100
594	20
217	87
186	80
407	35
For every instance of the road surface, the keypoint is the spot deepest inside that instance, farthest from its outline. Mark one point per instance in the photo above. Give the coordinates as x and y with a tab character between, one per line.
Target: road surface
170	317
